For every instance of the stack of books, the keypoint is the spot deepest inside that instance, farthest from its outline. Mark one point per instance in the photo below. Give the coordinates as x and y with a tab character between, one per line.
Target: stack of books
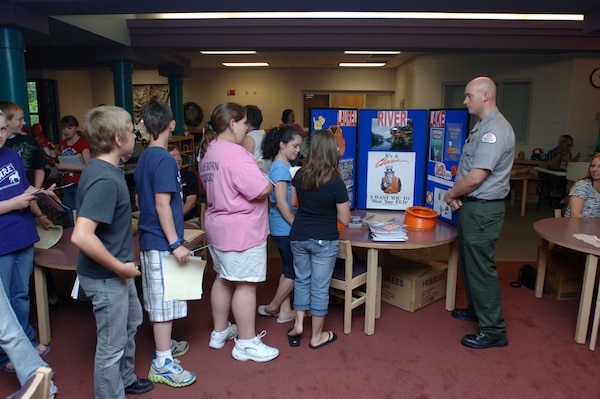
387	231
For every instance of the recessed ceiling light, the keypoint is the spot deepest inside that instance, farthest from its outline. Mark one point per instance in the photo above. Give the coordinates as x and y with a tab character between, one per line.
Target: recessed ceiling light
245	64
361	64
224	52
372	52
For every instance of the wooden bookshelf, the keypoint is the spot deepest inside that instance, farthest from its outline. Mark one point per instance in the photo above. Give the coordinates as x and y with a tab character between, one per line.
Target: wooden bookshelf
186	147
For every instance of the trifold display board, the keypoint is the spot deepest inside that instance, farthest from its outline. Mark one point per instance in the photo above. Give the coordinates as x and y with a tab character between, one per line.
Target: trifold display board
342	123
391	158
448	131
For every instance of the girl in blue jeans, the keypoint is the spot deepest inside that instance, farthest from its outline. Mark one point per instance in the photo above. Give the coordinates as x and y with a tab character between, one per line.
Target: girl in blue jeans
322	201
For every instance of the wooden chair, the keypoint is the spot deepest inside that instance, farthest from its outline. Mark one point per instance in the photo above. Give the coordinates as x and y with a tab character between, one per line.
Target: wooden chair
348	276
37	386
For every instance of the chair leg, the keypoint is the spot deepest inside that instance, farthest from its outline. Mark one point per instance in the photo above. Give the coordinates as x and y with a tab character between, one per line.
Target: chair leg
594	335
378	294
347	310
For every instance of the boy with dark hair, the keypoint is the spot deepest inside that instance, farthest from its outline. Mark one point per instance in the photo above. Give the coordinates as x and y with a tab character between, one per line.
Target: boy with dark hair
105	267
158	187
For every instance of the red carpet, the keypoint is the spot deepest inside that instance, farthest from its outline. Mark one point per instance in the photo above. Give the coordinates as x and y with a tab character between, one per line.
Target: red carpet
411	355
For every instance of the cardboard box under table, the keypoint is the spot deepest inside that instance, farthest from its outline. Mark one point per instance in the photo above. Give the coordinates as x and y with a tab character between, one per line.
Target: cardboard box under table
564	273
411	285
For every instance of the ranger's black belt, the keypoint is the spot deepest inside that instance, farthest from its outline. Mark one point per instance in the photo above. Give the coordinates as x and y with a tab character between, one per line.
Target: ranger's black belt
473	199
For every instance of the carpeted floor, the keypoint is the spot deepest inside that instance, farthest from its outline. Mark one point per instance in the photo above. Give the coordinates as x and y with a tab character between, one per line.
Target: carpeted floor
411	355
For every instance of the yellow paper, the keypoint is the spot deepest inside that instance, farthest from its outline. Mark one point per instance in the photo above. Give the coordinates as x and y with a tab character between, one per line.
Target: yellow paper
183	282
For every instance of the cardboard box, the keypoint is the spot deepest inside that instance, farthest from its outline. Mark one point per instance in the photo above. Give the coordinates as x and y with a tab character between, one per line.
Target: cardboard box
411	285
564	273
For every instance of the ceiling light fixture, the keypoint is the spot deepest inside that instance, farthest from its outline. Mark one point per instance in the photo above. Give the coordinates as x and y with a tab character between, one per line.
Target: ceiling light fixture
225	52
368	15
362	64
372	52
245	64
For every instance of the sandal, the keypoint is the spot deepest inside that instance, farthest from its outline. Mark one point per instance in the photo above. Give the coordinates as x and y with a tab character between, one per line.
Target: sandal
9	368
42	350
293	340
262	310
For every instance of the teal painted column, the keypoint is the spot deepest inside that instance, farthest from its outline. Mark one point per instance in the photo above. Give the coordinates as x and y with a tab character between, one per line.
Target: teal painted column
13	76
176	100
122	81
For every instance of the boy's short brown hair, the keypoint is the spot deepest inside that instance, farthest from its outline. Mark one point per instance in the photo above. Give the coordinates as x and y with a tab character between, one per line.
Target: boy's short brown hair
9	109
102	124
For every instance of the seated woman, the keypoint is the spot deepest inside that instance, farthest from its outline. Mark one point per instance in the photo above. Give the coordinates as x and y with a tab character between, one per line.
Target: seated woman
584	197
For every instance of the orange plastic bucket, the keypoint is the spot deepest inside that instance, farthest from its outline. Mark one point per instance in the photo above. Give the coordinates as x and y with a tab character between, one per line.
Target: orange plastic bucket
420	218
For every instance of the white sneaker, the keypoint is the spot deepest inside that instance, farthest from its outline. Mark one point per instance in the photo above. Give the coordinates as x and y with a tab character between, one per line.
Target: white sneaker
218	339
254	349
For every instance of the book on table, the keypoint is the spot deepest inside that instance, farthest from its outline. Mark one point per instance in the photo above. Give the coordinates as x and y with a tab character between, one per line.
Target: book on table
387	231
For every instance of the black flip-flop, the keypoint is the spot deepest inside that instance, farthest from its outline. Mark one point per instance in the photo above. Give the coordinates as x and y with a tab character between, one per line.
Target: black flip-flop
332	338
293	340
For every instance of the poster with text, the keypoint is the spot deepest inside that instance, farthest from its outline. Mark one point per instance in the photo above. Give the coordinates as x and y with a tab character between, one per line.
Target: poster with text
448	131
393	139
342	123
390	180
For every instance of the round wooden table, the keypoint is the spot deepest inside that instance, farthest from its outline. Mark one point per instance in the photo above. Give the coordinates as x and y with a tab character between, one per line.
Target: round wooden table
63	256
560	231
443	233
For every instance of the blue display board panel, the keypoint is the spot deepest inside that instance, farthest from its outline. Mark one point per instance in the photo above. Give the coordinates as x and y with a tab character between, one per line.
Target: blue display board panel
448	131
391	158
342	123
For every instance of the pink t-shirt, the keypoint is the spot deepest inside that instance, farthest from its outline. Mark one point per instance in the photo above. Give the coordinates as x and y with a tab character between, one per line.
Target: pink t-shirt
235	220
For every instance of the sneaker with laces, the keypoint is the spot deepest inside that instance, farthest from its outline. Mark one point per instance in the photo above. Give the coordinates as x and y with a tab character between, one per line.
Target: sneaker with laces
218	339
179	348
171	374
254	349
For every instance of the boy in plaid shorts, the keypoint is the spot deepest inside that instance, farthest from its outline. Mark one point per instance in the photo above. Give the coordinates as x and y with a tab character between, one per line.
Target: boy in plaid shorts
159	192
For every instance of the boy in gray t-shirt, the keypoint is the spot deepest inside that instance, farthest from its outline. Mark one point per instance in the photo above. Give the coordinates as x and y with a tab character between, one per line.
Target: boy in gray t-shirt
105	267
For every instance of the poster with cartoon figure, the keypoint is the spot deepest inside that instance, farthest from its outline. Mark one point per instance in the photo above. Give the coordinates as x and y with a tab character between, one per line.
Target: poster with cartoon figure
448	131
343	124
390	180
392	155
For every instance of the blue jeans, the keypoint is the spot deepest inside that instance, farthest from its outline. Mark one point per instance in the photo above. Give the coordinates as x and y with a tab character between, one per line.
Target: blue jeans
16	344
118	314
287	258
15	271
69	194
314	261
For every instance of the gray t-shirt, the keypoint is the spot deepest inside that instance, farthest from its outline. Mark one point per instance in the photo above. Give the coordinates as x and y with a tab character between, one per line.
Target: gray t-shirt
591	198
491	146
103	196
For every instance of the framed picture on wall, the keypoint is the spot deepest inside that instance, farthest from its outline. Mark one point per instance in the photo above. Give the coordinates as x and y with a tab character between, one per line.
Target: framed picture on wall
143	93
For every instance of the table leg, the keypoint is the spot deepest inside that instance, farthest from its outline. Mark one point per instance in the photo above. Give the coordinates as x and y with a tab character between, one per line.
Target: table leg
524	198
541	269
585	303
370	306
41	299
451	277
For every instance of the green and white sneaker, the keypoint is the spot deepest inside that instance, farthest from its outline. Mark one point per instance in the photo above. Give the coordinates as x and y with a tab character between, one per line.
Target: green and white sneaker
179	348
171	374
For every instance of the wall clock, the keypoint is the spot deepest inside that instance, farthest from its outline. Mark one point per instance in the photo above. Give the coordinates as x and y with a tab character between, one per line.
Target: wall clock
595	78
192	114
